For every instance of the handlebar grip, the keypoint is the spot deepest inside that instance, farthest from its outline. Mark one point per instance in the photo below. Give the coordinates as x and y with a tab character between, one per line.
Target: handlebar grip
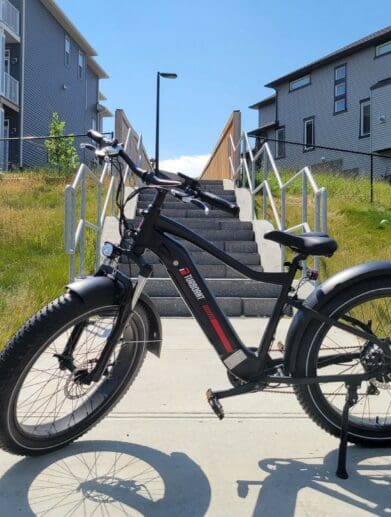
220	203
96	136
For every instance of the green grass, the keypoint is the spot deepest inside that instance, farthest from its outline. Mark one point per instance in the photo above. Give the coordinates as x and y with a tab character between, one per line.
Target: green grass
33	265
362	229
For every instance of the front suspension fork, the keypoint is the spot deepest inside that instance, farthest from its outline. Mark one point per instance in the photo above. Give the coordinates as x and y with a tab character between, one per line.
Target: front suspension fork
127	306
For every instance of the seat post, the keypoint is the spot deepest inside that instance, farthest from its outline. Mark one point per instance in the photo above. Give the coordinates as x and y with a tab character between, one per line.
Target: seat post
268	336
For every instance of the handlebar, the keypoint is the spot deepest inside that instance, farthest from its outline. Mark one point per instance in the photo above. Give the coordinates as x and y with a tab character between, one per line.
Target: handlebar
99	138
190	186
220	203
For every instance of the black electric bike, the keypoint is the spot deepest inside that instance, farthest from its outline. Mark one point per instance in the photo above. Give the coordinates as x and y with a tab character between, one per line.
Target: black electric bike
72	361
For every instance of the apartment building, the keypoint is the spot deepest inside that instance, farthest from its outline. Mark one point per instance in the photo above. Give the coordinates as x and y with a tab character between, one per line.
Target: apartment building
47	66
342	100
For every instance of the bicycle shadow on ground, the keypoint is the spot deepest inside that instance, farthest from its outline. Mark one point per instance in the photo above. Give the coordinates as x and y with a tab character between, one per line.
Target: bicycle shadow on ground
368	487
105	478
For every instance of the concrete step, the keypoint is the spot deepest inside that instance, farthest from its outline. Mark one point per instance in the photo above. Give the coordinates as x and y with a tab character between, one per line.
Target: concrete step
255	307
212	188
146	196
198	213
232	234
217	189
213	224
224	287
206	270
236	294
201	257
171	205
228	246
211	182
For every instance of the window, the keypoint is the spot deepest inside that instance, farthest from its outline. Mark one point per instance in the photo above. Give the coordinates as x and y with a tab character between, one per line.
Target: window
300	83
7	60
365	117
67	50
384	48
280	142
80	65
340	89
309	133
340	73
339	105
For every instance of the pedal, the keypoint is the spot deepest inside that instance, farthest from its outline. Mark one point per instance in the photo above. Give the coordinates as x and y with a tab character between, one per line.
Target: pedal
215	404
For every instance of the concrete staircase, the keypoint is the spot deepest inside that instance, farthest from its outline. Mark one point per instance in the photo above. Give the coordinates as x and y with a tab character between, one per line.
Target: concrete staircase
237	295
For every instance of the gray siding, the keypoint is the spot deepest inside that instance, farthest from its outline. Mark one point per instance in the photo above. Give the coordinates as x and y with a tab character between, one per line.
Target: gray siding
267	114
341	130
381	118
92	98
50	85
13	145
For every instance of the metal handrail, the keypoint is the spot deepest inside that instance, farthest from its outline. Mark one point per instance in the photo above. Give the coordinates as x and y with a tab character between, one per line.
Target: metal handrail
11	88
10	15
76	224
247	167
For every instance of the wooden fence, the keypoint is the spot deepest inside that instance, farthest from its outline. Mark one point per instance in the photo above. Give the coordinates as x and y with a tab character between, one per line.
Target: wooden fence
136	148
218	167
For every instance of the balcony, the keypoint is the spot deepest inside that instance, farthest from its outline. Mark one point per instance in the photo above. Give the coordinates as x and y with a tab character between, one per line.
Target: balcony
11	89
10	16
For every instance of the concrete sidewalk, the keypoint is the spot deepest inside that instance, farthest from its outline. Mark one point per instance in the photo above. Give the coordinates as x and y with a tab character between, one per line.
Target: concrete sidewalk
162	452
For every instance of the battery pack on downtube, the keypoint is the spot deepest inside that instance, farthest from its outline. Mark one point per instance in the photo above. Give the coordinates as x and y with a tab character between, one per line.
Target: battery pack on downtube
203	305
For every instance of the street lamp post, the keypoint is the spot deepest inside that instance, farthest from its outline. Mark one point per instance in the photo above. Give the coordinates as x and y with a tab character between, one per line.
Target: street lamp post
158	76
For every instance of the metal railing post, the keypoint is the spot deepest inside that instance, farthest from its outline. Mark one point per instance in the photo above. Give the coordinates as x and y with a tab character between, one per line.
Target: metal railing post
264	178
317	211
77	224
69	228
304	200
253	207
99	227
244	158
113	174
283	223
83	212
371	195
324	209
307	180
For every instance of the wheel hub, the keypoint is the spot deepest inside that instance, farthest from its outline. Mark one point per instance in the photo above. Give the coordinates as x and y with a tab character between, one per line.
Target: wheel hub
75	390
376	356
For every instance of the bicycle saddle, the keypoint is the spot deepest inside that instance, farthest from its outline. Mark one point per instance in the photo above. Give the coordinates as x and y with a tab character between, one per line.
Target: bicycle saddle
310	243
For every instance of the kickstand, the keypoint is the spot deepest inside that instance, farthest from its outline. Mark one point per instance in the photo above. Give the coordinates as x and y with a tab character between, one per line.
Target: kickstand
350	401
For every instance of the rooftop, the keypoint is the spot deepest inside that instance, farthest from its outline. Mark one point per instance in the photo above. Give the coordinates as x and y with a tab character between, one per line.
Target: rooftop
264	102
376	38
65	22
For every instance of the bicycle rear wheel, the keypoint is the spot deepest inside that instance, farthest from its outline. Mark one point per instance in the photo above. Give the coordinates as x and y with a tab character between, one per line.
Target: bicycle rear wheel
42	408
370	419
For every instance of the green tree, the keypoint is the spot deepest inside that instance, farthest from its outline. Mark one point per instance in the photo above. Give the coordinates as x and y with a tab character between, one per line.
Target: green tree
62	154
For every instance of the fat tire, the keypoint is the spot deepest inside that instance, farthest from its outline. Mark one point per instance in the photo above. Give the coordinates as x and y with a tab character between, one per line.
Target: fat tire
29	343
310	396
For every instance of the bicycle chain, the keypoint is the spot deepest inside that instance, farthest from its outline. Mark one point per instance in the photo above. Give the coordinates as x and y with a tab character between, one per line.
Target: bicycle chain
291	392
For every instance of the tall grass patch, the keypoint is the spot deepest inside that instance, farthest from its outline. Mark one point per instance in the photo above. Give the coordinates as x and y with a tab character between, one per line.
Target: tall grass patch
33	265
362	229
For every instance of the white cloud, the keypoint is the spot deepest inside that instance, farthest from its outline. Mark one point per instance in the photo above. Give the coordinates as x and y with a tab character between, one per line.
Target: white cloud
189	165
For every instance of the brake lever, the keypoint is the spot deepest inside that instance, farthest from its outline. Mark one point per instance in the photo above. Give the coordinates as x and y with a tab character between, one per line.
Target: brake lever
90	147
186	198
197	202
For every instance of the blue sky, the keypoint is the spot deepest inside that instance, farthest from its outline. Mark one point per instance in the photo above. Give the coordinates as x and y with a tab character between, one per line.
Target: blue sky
223	52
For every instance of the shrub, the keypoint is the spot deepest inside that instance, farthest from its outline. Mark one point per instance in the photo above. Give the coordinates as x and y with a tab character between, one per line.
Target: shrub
62	154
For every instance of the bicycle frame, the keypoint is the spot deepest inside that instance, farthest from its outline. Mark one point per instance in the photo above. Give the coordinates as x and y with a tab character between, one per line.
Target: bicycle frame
243	362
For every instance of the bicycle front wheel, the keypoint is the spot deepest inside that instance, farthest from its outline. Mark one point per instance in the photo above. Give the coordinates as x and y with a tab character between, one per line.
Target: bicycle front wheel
42	406
367	305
